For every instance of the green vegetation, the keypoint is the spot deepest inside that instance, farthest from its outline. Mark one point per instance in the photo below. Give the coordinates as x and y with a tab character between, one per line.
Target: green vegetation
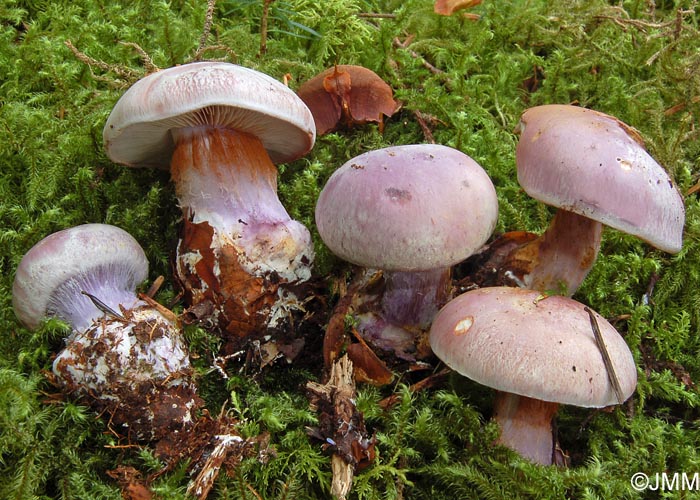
470	80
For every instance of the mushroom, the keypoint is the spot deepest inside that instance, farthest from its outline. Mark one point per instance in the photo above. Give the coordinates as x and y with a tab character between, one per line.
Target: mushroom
124	355
219	127
595	169
538	352
412	211
345	95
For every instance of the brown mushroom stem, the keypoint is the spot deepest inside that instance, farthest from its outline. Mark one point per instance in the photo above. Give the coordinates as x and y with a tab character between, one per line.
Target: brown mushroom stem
239	244
526	426
560	258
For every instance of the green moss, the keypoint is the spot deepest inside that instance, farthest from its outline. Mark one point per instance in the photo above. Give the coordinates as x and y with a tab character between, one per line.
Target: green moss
469	79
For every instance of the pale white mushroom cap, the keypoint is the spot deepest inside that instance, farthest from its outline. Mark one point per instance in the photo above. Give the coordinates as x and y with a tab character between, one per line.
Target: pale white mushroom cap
98	258
517	341
219	94
592	164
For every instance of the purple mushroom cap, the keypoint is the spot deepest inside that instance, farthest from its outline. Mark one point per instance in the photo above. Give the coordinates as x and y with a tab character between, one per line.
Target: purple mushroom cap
100	259
407	208
594	165
522	342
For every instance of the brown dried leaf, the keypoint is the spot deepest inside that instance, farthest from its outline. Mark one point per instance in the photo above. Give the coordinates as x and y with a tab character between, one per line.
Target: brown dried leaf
486	267
448	7
368	367
427	383
129	479
335	337
346	95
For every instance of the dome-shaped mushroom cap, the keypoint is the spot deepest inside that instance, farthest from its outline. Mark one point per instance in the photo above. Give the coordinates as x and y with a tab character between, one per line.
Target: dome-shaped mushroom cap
516	340
137	132
91	252
407	208
589	163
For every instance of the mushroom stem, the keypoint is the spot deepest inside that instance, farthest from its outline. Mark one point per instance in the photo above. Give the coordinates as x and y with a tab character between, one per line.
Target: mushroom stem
225	175
414	298
398	317
226	178
238	237
526	426
112	287
558	259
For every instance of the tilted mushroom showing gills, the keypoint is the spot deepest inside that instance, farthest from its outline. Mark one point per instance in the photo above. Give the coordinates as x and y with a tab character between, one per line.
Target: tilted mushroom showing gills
595	170
412	211
538	352
124	355
219	128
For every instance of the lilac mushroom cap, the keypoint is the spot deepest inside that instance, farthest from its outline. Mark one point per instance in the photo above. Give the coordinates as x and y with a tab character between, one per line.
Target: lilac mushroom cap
594	165
518	341
138	132
100	259
538	352
407	208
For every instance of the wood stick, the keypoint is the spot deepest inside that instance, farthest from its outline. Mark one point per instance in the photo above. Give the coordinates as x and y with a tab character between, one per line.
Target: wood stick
612	376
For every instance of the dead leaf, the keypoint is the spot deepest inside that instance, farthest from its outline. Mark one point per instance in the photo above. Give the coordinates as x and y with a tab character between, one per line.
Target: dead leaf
129	479
368	367
347	95
448	7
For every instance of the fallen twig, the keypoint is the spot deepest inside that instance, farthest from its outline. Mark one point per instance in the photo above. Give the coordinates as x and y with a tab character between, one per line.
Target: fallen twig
427	133
373	15
404	45
155	286
427	383
341	426
263	25
612	376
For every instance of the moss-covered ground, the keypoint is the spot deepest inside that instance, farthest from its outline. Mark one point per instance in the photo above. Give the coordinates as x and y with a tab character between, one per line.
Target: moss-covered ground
470	80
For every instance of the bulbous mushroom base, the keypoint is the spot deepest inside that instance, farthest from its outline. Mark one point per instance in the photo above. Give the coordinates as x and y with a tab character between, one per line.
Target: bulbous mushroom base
136	369
397	313
233	291
392	313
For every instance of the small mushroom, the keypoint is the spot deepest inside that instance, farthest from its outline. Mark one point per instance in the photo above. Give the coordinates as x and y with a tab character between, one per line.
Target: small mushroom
345	95
412	211
219	127
595	170
124	355
537	352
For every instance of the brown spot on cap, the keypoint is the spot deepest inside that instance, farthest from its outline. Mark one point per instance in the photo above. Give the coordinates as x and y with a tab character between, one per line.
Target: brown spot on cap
398	195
